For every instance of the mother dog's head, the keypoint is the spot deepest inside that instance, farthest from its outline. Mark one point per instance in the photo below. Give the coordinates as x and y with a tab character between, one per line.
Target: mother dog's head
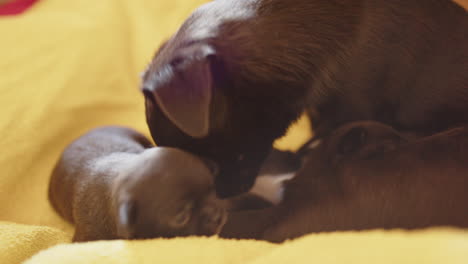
230	82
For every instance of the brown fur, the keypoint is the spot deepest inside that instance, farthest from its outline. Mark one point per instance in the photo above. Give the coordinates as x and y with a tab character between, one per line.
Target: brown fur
403	63
366	175
112	184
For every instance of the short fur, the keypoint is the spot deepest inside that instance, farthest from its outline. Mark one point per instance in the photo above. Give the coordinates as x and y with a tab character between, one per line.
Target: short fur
366	175
112	183
260	63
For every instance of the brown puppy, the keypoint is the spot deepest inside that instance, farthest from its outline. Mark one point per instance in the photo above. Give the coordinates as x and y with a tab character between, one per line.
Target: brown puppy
237	73
111	184
365	176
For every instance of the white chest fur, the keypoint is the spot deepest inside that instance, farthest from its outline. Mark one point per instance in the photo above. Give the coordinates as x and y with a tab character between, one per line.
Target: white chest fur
271	187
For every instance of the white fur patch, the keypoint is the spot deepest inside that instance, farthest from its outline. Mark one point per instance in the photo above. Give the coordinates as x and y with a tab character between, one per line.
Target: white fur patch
271	187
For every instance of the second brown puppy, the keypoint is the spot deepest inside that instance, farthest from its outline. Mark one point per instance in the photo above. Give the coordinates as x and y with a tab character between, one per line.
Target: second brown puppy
366	176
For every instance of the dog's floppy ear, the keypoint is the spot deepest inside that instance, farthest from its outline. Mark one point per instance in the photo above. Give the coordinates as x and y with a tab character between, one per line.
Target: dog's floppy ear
183	91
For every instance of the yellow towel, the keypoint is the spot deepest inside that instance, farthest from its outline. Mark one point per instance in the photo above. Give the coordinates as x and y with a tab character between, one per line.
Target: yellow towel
69	66
433	247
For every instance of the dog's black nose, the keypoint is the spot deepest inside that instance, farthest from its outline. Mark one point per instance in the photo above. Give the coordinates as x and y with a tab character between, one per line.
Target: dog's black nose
232	184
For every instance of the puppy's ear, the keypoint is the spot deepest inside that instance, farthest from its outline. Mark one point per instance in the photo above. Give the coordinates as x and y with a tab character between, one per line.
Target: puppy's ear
183	90
127	217
352	141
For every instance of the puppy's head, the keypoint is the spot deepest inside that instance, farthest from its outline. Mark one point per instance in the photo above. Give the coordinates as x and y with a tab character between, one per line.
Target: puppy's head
215	89
166	192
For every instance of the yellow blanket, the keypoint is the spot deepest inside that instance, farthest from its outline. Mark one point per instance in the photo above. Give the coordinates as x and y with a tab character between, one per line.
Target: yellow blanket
69	66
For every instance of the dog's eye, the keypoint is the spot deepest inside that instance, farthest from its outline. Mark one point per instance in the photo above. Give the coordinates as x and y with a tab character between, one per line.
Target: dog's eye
183	215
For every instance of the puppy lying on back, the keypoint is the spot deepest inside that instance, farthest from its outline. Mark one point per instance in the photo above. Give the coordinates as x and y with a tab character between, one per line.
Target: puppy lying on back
365	175
111	183
237	73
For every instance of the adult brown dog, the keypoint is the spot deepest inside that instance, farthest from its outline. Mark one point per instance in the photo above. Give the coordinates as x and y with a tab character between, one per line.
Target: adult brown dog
366	175
237	73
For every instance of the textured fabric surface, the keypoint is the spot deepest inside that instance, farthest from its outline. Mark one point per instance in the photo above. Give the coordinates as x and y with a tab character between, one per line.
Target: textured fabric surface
430	247
69	66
